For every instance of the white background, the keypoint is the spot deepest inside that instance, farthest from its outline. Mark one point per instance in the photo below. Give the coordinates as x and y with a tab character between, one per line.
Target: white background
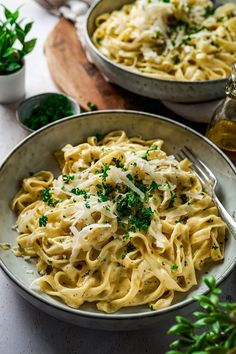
23	328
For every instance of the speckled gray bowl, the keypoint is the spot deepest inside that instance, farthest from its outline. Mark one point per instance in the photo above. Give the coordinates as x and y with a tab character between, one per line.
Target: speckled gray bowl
170	90
26	107
36	153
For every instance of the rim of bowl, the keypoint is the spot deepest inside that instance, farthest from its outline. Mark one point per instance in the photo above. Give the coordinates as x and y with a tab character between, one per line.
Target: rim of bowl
136	74
25	101
117	316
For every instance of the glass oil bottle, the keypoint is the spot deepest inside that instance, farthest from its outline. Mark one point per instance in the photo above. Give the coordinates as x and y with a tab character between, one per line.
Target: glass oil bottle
222	128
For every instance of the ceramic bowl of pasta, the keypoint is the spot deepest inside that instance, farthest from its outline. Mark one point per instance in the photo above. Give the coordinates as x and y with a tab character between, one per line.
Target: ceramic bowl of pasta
103	227
173	50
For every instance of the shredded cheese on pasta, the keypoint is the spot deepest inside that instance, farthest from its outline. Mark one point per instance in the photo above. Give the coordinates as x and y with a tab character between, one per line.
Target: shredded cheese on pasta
170	39
123	225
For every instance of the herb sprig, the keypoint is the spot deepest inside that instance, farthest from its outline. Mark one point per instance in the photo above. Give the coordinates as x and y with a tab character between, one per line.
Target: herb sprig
213	332
13	43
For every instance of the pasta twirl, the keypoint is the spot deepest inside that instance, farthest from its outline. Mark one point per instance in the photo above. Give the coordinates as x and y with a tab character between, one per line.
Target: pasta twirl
123	225
174	39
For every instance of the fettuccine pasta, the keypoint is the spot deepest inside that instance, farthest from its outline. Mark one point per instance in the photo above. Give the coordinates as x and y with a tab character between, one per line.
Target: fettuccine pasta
123	225
170	39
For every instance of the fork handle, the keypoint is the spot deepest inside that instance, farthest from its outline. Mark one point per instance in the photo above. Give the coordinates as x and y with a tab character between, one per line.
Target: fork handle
225	216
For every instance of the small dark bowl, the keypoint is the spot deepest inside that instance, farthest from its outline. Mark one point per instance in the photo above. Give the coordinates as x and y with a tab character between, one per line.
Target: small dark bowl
26	107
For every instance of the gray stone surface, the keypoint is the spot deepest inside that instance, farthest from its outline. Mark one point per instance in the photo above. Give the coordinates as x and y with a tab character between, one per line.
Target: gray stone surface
25	330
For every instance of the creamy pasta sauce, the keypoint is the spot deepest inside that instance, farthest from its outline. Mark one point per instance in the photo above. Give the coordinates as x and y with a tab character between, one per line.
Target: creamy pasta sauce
170	39
123	225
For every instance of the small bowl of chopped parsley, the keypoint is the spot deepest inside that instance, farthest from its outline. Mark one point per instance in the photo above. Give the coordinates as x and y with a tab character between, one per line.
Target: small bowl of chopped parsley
40	110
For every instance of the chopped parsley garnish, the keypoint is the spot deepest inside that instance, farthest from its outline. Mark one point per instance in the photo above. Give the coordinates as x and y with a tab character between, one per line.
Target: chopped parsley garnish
174	266
87	205
130	248
168	184
82	192
142	219
187	39
108	188
152	148
176	59
104	190
172	200
147	189
106	207
68	178
105	168
102	197
153	186
126	235
43	220
184	198
131	205
46	196
209	11
140	185
130	177
92	106
125	205
173	196
49	110
118	163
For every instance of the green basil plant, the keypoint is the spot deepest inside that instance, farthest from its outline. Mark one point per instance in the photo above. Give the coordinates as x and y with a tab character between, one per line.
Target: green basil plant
213	330
13	43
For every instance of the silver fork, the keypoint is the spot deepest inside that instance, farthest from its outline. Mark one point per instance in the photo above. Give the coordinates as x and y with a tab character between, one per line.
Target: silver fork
209	181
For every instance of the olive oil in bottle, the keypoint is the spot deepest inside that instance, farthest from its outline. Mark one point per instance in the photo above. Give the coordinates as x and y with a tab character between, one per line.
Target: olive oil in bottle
223	134
222	128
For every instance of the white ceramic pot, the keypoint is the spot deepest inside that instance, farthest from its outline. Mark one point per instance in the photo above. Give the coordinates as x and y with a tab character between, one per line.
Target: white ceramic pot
12	86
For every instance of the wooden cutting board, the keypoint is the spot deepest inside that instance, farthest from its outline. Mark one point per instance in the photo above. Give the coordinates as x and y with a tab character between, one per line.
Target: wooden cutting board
77	77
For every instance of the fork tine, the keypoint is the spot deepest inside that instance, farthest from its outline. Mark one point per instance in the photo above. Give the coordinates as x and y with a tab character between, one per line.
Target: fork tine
179	157
207	171
204	173
202	176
